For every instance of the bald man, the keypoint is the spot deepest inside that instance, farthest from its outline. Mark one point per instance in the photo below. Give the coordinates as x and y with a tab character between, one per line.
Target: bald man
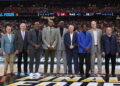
109	50
21	44
61	47
35	47
96	48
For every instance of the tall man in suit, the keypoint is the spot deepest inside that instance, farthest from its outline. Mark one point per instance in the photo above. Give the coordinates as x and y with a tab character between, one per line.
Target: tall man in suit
96	48
84	49
110	50
50	39
61	47
71	46
7	45
35	46
21	45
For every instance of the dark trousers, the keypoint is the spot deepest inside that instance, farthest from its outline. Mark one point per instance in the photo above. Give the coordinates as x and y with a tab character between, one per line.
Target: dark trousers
113	62
86	57
23	55
34	55
51	54
72	56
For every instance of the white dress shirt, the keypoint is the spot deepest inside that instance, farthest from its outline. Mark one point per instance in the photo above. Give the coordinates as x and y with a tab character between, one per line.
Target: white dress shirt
95	37
23	34
71	37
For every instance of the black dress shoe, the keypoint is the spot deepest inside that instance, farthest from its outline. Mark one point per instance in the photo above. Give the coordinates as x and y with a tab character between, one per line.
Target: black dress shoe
25	74
107	75
19	73
82	75
113	75
87	75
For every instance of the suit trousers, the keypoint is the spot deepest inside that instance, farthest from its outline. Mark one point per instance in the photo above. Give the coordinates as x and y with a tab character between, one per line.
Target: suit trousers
61	54
23	55
86	57
51	54
94	55
9	59
72	56
113	61
34	55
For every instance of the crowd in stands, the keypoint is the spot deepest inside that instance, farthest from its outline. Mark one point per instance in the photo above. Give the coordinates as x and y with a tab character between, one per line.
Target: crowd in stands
19	8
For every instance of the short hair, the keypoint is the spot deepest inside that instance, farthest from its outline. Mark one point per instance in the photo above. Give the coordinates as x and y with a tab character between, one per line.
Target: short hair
109	28
61	22
94	21
50	20
22	24
8	26
71	26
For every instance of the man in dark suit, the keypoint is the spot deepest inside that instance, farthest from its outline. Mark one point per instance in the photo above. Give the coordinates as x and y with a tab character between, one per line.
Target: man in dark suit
110	51
70	41
35	46
21	45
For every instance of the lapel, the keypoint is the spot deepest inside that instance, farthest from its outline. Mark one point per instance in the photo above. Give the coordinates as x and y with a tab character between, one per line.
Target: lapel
11	37
59	33
21	34
92	35
34	33
97	34
72	38
25	35
48	31
69	37
64	31
8	38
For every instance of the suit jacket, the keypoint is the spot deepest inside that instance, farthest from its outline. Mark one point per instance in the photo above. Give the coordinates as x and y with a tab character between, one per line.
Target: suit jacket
109	46
60	45
67	42
21	44
32	39
99	38
84	41
6	45
49	37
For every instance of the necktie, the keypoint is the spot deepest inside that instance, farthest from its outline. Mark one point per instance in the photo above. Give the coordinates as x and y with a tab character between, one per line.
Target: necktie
23	35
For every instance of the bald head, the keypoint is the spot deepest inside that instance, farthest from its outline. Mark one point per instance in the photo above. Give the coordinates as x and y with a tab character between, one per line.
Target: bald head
93	24
37	25
61	24
22	26
109	30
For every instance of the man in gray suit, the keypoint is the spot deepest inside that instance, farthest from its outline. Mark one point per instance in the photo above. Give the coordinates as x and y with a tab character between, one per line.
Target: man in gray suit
61	47
50	39
96	48
35	46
